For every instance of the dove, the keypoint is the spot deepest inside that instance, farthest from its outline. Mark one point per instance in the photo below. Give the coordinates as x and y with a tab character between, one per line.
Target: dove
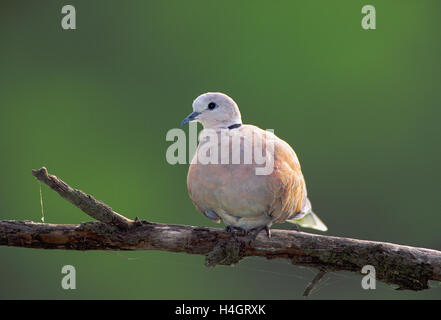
224	181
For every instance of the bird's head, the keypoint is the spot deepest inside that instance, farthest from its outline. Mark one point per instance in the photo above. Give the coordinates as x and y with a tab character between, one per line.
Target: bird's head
214	110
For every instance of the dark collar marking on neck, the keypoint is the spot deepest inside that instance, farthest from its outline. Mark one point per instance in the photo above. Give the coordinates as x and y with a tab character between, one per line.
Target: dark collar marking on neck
234	126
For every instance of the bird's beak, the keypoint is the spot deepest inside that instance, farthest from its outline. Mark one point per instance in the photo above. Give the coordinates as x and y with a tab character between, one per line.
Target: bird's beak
192	116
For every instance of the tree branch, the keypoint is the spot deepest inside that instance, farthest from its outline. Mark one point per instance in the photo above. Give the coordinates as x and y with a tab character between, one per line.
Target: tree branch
408	267
88	204
314	281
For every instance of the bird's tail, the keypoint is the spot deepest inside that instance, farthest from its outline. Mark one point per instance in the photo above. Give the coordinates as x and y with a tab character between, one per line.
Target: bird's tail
310	220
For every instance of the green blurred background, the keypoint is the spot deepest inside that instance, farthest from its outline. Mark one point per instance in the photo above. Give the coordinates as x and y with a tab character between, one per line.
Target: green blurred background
361	108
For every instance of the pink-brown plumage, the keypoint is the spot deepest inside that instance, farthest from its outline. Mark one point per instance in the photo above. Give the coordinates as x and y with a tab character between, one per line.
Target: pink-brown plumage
236	189
233	190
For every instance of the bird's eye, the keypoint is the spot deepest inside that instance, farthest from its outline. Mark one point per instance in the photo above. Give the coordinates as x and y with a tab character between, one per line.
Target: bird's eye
211	105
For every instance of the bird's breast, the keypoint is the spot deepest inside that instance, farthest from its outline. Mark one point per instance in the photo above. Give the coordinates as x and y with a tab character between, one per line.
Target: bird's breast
236	188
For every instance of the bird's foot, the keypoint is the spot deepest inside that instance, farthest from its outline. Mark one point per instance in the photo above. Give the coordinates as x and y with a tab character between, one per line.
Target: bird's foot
295	227
255	232
233	232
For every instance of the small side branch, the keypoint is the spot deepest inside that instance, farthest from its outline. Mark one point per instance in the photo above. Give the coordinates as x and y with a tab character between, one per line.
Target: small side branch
407	267
314	281
88	204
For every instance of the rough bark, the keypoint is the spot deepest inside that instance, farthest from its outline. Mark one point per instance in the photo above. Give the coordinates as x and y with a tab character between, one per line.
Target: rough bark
404	266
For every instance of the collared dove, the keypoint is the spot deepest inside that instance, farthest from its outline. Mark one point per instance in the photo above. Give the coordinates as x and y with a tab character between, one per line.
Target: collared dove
233	191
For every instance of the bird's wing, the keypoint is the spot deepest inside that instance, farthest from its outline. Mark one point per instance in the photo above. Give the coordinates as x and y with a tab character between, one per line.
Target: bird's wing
288	182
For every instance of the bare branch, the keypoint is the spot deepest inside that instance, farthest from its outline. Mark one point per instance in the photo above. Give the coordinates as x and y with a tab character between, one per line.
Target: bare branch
407	267
314	281
88	204
404	266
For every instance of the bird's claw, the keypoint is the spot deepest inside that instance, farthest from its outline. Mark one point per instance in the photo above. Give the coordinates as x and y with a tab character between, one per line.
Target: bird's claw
253	233
233	232
258	230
